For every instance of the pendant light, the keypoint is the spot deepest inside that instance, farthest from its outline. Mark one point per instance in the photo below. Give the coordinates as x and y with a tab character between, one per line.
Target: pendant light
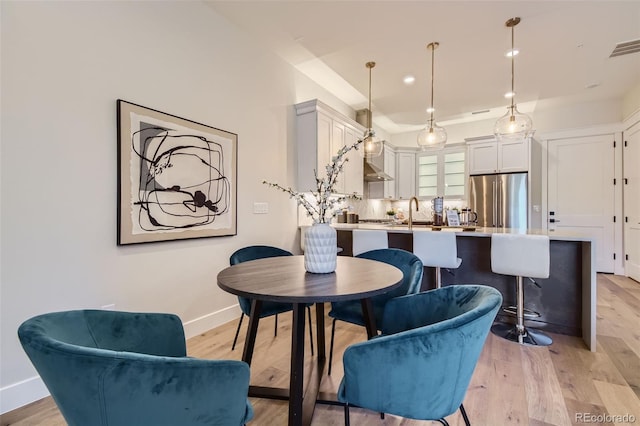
432	136
513	125
371	145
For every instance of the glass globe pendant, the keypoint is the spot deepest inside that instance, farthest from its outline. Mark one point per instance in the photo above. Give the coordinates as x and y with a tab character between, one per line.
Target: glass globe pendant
432	136
371	145
514	125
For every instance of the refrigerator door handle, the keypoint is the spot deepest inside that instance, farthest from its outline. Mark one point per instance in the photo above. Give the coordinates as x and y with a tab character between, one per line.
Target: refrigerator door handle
495	201
499	203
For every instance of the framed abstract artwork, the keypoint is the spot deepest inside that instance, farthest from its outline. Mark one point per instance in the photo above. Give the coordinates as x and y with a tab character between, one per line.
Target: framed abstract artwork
176	178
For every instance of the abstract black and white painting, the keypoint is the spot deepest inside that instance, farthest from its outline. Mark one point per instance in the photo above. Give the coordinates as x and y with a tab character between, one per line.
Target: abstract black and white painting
176	177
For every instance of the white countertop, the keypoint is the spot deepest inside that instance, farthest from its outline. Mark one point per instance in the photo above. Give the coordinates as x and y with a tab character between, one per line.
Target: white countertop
479	232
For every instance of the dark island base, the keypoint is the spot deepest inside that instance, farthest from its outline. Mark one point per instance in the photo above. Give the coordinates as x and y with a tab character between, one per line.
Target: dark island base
558	300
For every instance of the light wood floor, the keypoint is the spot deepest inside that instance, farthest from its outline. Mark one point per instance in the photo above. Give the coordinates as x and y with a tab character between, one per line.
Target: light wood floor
512	384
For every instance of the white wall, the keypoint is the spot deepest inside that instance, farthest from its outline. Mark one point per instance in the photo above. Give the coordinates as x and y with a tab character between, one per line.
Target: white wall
64	65
631	102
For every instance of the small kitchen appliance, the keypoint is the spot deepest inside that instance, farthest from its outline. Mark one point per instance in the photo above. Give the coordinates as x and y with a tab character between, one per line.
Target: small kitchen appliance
437	205
468	217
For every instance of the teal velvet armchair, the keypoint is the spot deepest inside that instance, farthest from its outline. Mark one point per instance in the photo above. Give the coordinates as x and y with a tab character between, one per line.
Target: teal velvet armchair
246	254
351	311
109	368
422	364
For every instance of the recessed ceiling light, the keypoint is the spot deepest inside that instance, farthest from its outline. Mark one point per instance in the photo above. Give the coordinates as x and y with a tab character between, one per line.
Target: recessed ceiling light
409	80
430	110
509	95
513	52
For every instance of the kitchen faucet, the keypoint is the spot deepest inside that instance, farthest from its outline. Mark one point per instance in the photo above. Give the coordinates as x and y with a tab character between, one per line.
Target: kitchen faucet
411	211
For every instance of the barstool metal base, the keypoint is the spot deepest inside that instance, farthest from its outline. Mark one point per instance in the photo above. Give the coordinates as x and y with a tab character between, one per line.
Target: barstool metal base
528	313
530	336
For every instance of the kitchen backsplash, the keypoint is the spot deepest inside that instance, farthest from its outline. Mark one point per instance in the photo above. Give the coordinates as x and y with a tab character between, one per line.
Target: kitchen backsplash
377	209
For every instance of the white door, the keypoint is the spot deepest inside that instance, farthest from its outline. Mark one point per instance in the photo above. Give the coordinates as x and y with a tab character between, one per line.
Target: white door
581	191
631	172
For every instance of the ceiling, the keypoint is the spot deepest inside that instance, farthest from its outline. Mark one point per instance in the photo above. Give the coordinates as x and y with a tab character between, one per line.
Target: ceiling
564	52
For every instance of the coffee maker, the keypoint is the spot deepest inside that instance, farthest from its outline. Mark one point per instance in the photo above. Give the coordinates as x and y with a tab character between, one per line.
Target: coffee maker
468	217
437	205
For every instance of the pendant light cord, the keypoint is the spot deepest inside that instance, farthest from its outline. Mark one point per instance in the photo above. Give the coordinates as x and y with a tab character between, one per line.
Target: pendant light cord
369	121
513	61
433	48
369	65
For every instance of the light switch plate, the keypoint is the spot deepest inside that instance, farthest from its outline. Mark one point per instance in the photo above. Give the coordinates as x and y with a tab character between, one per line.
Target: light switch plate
260	208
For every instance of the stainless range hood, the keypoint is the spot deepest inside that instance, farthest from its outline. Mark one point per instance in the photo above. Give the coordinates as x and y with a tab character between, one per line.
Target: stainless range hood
373	168
373	173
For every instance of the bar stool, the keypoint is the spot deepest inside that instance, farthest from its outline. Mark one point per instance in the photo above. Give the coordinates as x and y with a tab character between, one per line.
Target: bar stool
522	256
437	249
368	239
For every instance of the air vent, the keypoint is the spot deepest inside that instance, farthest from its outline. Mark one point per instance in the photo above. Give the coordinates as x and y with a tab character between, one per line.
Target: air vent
626	48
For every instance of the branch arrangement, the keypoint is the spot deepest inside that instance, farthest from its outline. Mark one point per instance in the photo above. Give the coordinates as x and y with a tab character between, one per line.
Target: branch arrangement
324	195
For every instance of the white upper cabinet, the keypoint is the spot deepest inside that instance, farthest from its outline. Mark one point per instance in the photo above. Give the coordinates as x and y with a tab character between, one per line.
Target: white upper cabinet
390	169
441	173
320	132
405	174
489	156
352	173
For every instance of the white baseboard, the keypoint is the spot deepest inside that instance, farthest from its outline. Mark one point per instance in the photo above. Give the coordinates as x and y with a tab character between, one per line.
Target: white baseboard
209	321
27	391
22	393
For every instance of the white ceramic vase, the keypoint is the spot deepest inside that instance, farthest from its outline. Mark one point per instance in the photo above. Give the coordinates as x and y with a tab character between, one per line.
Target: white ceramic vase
320	249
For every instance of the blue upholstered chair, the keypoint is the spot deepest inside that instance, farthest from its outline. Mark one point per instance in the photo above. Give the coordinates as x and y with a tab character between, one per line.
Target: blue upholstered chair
422	364
122	368
351	311
268	308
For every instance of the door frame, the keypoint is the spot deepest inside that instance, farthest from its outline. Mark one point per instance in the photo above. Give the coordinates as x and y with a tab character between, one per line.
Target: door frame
608	129
629	122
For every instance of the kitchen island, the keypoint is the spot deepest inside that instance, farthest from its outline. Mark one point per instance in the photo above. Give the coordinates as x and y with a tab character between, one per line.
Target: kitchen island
566	301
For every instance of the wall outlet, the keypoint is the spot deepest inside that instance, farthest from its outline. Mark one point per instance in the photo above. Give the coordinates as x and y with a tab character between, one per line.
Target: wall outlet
260	208
109	307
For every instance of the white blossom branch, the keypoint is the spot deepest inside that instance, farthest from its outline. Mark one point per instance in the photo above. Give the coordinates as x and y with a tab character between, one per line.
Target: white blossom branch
325	200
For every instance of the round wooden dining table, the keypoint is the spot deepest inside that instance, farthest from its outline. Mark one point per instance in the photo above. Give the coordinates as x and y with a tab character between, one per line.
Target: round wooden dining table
284	279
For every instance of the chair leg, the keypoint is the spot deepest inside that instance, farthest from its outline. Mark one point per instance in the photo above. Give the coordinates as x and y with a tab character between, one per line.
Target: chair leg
464	415
346	414
275	330
444	422
333	332
310	329
235	339
382	416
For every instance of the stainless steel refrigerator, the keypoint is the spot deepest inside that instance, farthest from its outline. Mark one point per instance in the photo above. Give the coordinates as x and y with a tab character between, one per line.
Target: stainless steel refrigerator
500	200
